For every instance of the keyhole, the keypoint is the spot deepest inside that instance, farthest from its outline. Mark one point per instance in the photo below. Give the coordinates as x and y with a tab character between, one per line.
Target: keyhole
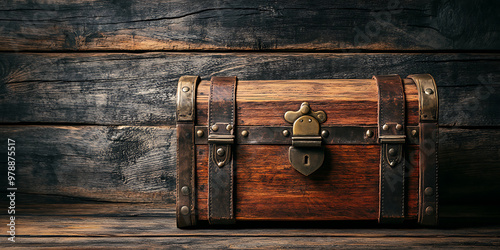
306	160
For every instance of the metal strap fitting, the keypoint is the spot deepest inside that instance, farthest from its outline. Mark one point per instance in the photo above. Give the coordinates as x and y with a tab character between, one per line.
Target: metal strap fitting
221	139
392	138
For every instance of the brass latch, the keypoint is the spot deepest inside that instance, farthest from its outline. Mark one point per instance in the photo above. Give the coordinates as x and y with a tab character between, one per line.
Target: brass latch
306	154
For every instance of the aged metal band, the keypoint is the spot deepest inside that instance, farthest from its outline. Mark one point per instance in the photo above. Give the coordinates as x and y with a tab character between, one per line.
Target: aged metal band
391	131
340	135
221	120
428	164
185	203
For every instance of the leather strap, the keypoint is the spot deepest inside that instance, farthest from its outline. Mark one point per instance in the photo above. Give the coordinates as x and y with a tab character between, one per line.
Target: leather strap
185	203
221	122
391	131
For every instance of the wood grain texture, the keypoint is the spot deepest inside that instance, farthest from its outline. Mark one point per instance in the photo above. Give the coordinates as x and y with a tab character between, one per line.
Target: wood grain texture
346	102
139	89
249	25
268	188
124	225
114	163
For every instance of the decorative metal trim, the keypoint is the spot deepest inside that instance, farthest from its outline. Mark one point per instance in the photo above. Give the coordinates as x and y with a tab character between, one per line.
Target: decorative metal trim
185	184
428	164
186	97
334	135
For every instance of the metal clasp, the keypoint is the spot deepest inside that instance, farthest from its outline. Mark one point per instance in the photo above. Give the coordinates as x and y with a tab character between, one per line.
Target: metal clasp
306	154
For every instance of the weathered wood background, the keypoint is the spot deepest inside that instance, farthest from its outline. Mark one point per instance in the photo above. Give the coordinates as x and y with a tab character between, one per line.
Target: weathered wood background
87	88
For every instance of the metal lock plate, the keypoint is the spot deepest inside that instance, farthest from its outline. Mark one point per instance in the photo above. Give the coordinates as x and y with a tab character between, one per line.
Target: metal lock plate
306	154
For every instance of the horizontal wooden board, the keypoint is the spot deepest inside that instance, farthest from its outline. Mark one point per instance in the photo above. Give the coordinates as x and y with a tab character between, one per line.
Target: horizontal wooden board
345	101
133	89
267	187
125	225
137	164
249	25
113	163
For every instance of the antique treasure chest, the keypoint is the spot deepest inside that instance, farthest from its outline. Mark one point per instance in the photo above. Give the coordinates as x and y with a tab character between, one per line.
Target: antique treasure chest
294	150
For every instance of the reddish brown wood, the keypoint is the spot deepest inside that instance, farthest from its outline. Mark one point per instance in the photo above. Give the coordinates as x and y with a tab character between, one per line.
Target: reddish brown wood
344	188
345	101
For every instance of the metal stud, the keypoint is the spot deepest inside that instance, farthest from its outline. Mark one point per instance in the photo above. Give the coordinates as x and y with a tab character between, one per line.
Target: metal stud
221	152
325	133
414	132
220	164
200	133
429	91
428	191
229	127
385	127
392	152
185	190
392	163
244	133
399	127
286	133
184	210
429	210
369	133
185	89
215	127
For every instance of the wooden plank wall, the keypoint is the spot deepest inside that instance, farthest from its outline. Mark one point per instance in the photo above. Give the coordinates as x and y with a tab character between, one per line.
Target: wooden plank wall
87	88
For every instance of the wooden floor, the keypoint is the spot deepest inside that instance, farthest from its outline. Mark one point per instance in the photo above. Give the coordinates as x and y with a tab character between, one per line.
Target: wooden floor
124	225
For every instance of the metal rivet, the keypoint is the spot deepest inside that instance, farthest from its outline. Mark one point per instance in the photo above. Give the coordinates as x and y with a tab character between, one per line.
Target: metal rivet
429	91
304	108
310	120
200	133
286	133
428	191
429	210
325	133
392	163
185	190
301	120
385	127
184	210
185	89
399	127
320	116
221	152
244	133
220	164
215	127
229	127
392	152
414	132
369	133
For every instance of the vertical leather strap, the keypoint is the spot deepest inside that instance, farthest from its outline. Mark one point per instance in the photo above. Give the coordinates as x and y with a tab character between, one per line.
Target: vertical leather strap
221	122
428	163
185	202
391	131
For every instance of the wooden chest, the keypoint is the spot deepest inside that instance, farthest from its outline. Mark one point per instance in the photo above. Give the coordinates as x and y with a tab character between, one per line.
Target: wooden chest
292	150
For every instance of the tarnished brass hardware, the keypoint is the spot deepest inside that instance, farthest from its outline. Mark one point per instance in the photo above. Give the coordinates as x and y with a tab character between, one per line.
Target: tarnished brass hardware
200	133
306	154
429	210
428	103
392	152
392	139
184	210
414	132
325	133
185	89
286	133
385	127
429	91
399	127
428	191
221	152
244	133
369	133
185	190
229	127
215	127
